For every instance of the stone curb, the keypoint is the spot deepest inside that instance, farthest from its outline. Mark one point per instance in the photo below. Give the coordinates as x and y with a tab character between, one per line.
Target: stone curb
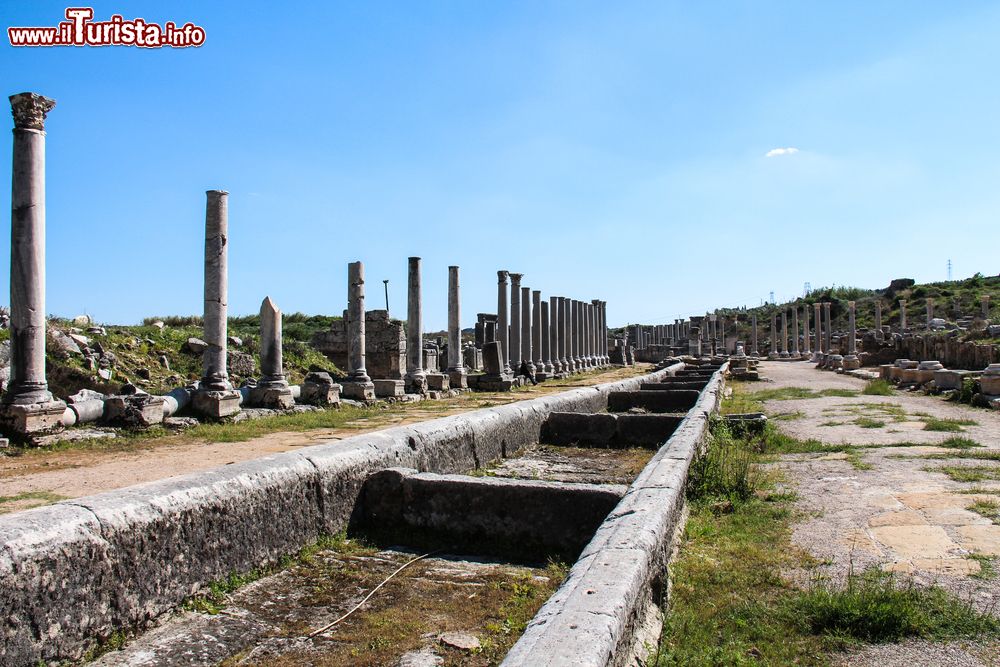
78	570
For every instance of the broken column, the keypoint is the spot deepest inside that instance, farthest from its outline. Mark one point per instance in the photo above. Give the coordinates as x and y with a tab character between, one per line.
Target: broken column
358	385
503	325
851	361
28	405
416	378
930	311
878	320
526	355
216	397
515	321
902	315
272	390
536	335
456	369
985	300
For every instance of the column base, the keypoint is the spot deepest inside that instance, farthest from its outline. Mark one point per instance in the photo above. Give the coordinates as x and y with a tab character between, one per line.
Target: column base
437	382
458	379
134	411
320	389
32	418
390	388
851	363
216	404
542	376
416	383
275	398
358	391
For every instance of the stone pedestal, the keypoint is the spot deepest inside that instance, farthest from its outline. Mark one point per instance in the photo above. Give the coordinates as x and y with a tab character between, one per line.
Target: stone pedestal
437	382
32	418
359	391
137	410
320	389
390	388
216	404
990	380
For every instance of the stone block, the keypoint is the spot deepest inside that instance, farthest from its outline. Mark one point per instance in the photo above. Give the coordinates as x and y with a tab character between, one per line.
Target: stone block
33	417
389	388
136	411
458	380
320	389
990	381
437	382
947	379
358	391
216	404
276	398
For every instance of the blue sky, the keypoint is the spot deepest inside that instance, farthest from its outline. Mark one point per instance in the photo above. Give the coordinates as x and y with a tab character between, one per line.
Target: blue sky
606	150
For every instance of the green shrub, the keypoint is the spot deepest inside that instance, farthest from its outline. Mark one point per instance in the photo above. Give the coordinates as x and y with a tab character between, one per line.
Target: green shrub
725	470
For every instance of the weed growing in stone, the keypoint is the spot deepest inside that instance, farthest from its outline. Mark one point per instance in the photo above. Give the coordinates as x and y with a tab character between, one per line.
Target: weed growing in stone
968	473
868	422
946	425
878	388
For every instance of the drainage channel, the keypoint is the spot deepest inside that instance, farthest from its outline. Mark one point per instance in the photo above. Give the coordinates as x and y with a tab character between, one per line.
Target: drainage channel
464	560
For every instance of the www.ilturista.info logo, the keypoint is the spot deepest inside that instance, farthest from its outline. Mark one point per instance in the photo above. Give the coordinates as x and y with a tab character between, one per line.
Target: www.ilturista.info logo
81	30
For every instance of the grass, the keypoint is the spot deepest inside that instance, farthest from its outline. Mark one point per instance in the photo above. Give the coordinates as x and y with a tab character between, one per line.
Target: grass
947	425
987	455
968	473
878	388
987	508
958	442
27	500
730	604
788	416
793	393
726	469
868	422
987	570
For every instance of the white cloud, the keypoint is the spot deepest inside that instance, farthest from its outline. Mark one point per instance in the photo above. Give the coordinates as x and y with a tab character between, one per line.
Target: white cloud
775	152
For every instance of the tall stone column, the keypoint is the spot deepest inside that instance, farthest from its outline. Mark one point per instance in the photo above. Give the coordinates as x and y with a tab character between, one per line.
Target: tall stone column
930	311
902	315
536	334
774	353
546	343
358	385
818	343
526	351
565	309
416	378
985	299
602	310
515	321
578	355
272	391
28	405
878	320
784	334
588	323
555	335
456	367
216	397
503	325
829	327
754	352
795	353
851	360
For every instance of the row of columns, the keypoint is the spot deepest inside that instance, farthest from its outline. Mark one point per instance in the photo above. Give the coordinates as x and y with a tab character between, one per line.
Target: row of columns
554	336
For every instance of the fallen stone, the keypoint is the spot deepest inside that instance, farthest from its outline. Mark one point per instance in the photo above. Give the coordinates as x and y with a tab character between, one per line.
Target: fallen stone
180	423
459	640
82	321
235	341
158	324
195	345
98	331
80	339
64	342
105	373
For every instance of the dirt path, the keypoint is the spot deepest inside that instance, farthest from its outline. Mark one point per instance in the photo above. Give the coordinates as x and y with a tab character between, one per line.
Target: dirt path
36	478
891	506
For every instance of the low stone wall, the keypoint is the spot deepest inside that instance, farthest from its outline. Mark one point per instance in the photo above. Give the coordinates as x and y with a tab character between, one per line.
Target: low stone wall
509	518
609	429
614	589
78	570
679	400
950	351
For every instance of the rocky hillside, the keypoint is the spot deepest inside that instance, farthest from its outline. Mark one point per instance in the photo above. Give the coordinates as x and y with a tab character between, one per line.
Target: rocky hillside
162	353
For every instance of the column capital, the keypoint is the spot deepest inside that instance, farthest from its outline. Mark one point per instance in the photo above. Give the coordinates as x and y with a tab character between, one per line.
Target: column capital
502	277
515	278
29	110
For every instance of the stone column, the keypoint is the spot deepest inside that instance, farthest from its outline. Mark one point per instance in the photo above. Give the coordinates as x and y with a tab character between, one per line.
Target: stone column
503	325
818	343
754	352
878	320
773	353
795	353
358	385
28	405
805	330
565	312
526	328
784	334
578	355
851	360
930	311
272	391
829	328
985	299
603	333
902	315
456	368
536	334
515	321
216	397
416	378
546	343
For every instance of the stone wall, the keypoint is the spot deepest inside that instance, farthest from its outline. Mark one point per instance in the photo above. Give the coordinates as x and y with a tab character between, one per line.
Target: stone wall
947	349
80	569
385	345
